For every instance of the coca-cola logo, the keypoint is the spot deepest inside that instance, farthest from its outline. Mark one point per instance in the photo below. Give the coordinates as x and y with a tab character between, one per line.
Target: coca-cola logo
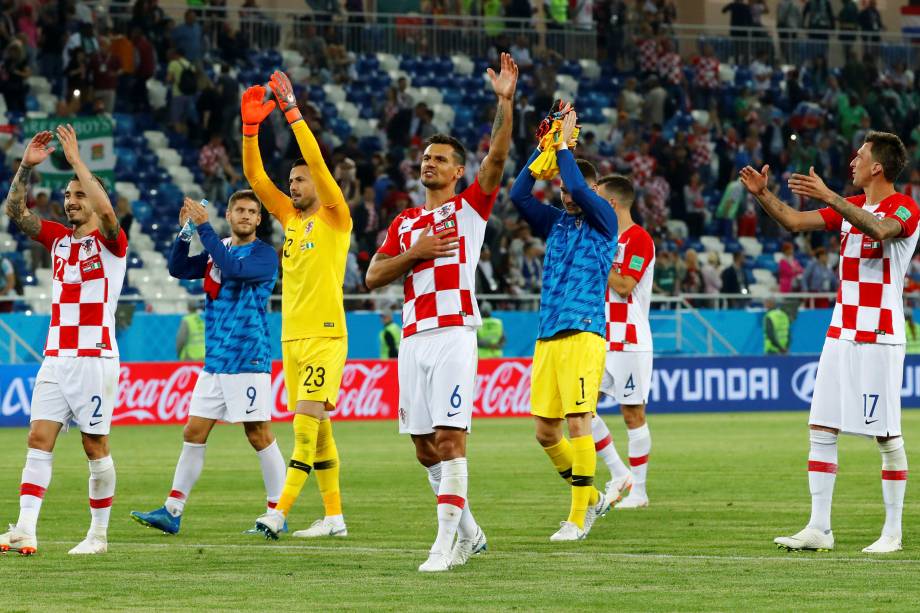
503	391
361	395
155	399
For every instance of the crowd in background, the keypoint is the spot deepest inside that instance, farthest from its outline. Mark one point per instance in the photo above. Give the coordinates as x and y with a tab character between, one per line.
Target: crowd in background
686	173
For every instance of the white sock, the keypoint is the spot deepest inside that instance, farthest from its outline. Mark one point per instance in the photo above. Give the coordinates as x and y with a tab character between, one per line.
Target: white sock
822	472
640	444
894	482
188	469
273	472
468	526
606	450
101	493
36	475
451	500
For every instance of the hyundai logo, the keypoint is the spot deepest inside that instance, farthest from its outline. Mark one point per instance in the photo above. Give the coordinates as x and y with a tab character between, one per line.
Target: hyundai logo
803	381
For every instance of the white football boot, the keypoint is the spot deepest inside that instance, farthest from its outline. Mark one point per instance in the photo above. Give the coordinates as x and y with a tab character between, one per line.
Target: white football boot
93	543
18	540
597	510
323	527
810	539
271	524
464	549
436	563
618	488
885	544
633	501
567	532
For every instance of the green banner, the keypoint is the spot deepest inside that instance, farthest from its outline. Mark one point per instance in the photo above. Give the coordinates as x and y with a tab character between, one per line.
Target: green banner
97	148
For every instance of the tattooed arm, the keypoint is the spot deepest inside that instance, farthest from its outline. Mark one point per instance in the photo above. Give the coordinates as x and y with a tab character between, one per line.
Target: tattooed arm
493	165
36	153
786	216
95	192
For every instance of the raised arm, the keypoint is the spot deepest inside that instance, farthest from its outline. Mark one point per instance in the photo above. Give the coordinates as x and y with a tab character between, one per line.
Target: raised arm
493	165
597	211
36	152
812	186
254	111
327	190
179	263
786	216
539	215
95	192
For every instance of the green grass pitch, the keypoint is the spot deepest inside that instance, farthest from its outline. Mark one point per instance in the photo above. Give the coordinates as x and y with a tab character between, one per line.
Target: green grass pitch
721	486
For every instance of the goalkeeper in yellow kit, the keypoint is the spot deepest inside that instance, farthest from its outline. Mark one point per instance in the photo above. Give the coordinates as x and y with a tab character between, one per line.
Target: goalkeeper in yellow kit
314	342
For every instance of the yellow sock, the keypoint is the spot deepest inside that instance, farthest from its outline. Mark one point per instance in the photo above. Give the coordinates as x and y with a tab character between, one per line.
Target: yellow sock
560	455
305	431
584	463
327	469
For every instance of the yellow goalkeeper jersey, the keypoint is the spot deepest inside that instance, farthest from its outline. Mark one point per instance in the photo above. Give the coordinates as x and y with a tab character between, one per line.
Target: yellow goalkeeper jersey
315	247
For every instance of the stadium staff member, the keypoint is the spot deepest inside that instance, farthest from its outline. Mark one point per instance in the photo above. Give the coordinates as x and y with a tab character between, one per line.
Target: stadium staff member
491	336
911	331
776	336
390	335
190	336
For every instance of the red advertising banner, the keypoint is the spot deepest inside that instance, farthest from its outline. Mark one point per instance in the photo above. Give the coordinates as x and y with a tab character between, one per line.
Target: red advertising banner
160	392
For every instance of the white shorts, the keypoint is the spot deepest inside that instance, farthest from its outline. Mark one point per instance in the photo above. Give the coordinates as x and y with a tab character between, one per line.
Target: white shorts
437	375
858	388
78	389
232	398
627	376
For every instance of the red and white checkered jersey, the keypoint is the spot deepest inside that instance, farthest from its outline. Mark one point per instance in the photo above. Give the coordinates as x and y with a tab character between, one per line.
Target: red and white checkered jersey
648	55
440	293
627	318
869	306
87	275
707	72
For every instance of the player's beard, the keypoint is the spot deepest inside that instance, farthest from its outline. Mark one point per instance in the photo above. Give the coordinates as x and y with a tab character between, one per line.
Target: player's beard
433	183
302	204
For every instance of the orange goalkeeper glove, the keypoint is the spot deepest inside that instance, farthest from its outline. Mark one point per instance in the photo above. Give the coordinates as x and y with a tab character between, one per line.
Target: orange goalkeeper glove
284	92
253	110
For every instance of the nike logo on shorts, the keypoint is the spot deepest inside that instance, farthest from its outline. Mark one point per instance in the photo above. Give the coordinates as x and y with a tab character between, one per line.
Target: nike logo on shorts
93	425
628	395
251	411
580	402
871	422
449	414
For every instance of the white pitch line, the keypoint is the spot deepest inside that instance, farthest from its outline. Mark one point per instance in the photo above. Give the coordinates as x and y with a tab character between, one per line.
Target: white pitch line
806	557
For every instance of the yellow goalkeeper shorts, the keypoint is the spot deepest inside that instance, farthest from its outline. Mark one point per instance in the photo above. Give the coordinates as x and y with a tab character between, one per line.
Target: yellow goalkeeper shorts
313	369
566	375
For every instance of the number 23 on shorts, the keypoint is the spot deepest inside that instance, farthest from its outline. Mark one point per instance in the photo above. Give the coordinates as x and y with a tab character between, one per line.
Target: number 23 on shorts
314	377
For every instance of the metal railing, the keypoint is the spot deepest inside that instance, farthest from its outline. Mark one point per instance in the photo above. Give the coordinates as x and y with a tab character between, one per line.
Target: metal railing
13	342
473	35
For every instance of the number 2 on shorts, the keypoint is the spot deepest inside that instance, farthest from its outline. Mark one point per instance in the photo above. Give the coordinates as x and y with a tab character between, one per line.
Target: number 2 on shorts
97	412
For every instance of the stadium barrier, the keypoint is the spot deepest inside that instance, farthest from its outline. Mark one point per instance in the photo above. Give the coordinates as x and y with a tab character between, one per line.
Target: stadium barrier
160	392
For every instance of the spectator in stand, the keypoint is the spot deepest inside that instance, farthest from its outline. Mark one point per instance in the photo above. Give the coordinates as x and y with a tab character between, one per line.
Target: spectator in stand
656	100
691	281
104	70
215	165
7	285
647	47
788	20
664	280
52	37
712	280
739	15
366	220
870	23
347	180
820	277
15	70
84	38
532	267
697	211
706	73
487	280
848	21
735	280
818	15
670	70
144	70
182	108
188	38
630	101
747	222
730	205
26	26
790	271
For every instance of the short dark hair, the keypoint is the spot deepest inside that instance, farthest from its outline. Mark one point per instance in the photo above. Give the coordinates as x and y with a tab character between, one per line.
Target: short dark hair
588	171
889	151
244	194
96	178
619	186
299	162
446	139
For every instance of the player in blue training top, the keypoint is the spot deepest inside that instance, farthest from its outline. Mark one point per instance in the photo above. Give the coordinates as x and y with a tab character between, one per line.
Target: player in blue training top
235	385
569	357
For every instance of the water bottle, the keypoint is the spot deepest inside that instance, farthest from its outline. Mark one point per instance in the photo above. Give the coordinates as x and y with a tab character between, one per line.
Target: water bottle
188	229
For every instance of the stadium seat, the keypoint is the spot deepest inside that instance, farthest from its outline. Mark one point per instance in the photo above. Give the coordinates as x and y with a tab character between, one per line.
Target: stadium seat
712	243
751	246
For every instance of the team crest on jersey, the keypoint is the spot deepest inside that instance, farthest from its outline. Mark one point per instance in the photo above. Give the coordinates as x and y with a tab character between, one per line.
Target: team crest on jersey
578	222
309	227
89	248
